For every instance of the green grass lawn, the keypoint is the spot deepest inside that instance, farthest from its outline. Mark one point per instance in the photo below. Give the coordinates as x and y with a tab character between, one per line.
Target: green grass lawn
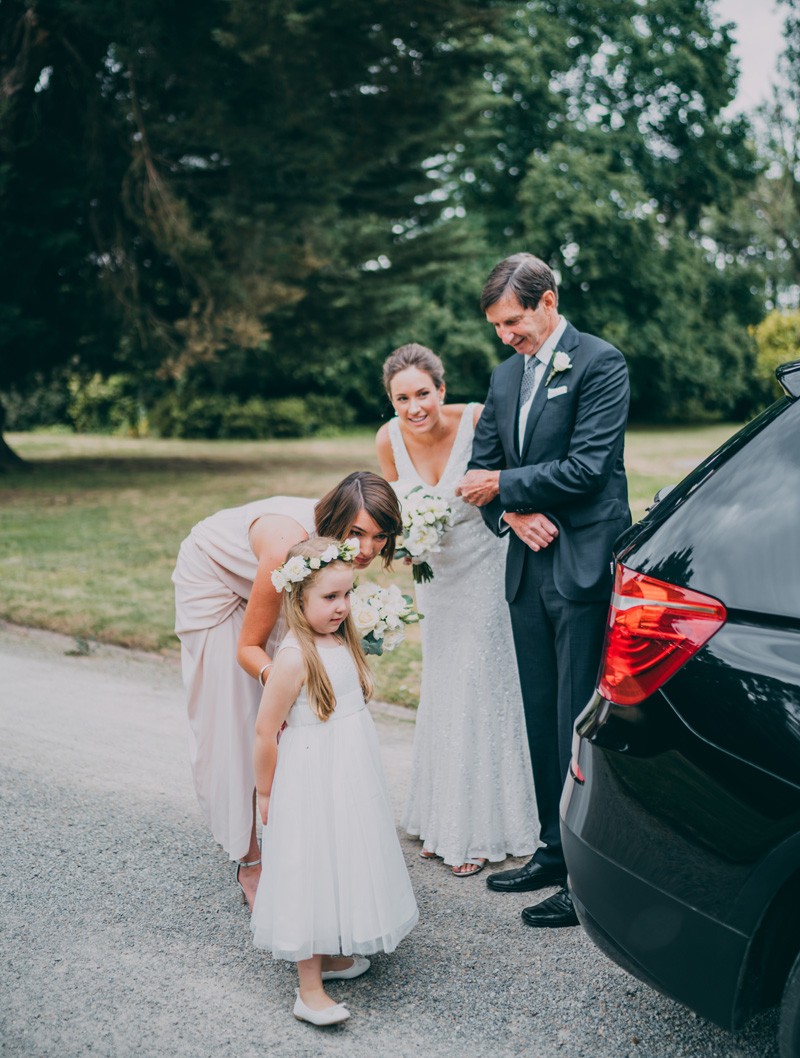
89	530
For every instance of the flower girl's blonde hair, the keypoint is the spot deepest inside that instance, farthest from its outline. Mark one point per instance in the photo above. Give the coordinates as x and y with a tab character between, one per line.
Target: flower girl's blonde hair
318	685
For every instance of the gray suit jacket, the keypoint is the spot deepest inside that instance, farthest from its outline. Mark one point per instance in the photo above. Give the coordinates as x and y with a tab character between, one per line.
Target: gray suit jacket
571	465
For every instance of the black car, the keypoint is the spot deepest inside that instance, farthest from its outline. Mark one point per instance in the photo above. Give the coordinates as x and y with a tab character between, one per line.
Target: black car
681	814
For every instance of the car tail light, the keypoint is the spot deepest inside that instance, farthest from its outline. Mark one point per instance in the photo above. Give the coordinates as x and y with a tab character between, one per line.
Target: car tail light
653	629
576	772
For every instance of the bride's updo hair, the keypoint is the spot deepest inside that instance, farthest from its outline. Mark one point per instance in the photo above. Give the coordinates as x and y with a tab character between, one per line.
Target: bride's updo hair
412	355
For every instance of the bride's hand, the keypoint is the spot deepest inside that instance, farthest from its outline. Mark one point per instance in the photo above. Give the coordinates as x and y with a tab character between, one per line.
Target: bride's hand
534	530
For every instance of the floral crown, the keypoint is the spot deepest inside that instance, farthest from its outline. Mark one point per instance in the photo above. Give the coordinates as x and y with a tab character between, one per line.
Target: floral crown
297	568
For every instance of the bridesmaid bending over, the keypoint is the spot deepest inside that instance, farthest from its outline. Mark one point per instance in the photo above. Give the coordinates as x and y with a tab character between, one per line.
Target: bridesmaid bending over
228	622
471	796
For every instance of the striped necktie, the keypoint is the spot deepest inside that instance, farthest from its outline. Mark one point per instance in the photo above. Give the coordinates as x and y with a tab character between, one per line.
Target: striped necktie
528	378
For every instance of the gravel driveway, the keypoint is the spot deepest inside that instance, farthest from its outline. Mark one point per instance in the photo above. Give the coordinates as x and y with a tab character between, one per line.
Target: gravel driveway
122	934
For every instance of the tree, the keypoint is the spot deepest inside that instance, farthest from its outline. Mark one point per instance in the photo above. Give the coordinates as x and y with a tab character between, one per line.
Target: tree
173	184
266	198
611	152
777	338
777	198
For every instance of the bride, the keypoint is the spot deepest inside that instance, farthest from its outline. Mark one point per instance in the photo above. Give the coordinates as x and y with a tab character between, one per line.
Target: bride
471	796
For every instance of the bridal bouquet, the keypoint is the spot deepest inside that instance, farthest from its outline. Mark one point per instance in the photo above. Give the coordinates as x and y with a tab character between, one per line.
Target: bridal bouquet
426	516
380	614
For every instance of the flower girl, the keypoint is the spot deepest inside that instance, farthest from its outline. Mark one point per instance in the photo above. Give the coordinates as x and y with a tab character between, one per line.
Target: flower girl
334	881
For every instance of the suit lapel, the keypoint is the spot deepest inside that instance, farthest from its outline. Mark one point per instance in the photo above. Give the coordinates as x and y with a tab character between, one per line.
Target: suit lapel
568	340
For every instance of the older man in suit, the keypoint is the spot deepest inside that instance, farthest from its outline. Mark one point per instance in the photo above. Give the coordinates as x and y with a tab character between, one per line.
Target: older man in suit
547	466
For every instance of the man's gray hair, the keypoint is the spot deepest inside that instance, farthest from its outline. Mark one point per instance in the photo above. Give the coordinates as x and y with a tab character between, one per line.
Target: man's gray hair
523	275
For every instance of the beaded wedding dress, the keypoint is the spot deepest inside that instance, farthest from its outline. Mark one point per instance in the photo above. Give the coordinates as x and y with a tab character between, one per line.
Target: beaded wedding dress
471	793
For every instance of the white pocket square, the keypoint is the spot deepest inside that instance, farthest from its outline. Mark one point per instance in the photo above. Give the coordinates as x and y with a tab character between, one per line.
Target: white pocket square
556	392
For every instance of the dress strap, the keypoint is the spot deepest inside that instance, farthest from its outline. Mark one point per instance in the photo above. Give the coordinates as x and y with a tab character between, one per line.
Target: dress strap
402	460
287	641
462	448
466	431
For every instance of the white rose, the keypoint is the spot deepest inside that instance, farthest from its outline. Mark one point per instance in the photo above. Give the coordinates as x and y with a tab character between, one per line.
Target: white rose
412	546
393	601
330	553
350	548
278	579
365	618
561	362
393	638
425	538
295	569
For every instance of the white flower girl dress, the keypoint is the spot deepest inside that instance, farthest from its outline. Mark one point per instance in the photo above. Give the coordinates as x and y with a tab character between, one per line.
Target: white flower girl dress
333	879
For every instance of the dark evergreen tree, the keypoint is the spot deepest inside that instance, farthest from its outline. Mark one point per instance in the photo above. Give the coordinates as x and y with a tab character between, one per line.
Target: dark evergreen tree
611	154
772	220
171	183
264	198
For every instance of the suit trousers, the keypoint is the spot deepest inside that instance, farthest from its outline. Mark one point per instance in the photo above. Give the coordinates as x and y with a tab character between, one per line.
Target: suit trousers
558	645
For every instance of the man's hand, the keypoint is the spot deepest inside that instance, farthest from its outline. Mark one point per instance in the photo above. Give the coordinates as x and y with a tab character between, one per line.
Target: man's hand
535	530
479	487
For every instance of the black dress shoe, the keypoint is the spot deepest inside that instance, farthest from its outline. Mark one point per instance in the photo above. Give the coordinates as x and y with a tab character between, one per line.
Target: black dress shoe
526	879
555	911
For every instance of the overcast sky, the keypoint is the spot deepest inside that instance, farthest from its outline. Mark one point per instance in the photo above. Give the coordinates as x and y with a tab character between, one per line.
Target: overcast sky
759	24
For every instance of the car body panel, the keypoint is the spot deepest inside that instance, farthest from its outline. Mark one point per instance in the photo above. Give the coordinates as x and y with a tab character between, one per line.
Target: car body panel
683	840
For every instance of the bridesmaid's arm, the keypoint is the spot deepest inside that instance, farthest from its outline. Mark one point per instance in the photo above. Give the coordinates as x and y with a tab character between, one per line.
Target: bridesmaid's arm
279	695
383	447
476	414
270	538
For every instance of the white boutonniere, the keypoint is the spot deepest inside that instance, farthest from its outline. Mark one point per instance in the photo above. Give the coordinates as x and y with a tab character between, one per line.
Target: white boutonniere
561	362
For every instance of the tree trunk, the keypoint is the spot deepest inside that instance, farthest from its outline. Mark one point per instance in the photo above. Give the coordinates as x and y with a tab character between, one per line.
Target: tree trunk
9	460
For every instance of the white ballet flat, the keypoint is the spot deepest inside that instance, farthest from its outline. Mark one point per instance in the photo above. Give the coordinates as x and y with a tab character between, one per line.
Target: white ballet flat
360	966
329	1016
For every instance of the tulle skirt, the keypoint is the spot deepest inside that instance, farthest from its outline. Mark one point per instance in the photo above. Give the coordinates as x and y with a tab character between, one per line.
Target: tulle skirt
333	879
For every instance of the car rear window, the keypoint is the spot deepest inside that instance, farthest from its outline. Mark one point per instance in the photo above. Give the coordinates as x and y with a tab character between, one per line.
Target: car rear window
732	528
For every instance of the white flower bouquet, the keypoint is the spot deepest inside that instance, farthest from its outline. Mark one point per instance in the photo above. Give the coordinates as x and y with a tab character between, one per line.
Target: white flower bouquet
426	516
380	615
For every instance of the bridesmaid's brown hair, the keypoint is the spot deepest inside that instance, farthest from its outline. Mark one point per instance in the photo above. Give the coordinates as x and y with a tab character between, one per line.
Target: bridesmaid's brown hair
338	510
